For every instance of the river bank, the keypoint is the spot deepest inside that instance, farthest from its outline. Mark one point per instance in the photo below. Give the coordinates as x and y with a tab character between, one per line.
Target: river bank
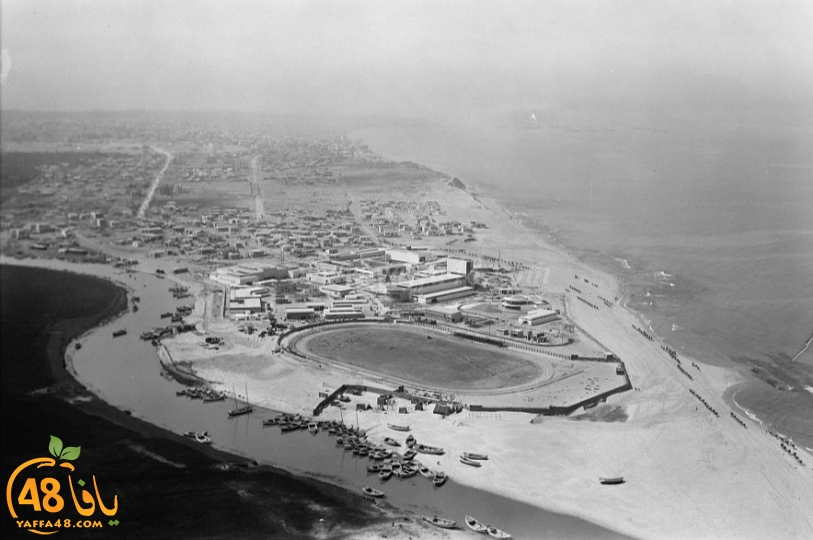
163	481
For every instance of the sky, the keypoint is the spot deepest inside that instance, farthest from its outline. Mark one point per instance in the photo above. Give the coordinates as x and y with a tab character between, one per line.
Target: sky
429	59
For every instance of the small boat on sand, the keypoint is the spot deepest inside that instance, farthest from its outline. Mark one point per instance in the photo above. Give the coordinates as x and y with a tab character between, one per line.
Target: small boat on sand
312	427
469	455
612	481
372	492
410	454
441	522
384	474
392	442
439	479
214	397
374	468
410	441
469	462
118	333
397	427
194	434
497	533
423	449
475	525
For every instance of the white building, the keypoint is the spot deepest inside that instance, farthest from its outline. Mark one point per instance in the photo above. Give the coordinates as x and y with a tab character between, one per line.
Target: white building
444	296
423	286
517	302
538	316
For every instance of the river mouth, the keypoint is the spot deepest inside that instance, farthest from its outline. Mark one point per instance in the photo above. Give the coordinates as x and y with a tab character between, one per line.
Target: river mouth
419	356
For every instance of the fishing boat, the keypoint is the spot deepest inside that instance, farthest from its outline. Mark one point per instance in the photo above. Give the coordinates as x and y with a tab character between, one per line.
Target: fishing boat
426	471
469	455
384	474
441	522
166	315
270	422
612	481
290	426
396	427
391	441
497	533
313	428
214	397
241	410
374	468
423	449
203	438
475	525
439	479
410	454
194	434
410	441
372	492
406	472
469	462
118	333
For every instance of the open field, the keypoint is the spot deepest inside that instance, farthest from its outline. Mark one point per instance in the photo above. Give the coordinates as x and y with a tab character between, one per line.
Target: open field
423	357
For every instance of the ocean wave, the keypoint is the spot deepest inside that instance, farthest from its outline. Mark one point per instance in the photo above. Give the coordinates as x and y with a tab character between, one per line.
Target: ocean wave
665	275
745	411
676	328
809	389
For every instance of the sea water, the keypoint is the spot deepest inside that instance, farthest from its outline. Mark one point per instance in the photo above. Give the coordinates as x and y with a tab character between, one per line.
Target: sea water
709	226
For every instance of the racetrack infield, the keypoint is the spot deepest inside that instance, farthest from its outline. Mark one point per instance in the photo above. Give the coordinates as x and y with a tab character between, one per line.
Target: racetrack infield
423	357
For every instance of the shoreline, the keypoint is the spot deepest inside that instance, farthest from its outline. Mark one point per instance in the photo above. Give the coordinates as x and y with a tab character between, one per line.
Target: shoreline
659	400
68	388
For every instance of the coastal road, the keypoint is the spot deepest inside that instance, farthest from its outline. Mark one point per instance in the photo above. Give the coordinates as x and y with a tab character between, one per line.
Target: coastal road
143	209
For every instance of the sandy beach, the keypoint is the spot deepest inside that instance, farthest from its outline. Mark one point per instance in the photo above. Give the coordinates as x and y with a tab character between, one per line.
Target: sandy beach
688	473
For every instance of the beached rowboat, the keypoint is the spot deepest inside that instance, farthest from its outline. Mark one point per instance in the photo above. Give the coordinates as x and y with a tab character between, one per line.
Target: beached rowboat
372	492
469	455
397	427
612	481
441	522
497	533
475	525
469	462
423	449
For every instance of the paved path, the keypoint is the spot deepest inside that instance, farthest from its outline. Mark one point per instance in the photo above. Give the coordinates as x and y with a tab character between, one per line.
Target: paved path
143	209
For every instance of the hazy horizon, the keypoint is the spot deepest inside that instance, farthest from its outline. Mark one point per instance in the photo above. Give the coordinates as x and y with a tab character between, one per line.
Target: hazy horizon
441	61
